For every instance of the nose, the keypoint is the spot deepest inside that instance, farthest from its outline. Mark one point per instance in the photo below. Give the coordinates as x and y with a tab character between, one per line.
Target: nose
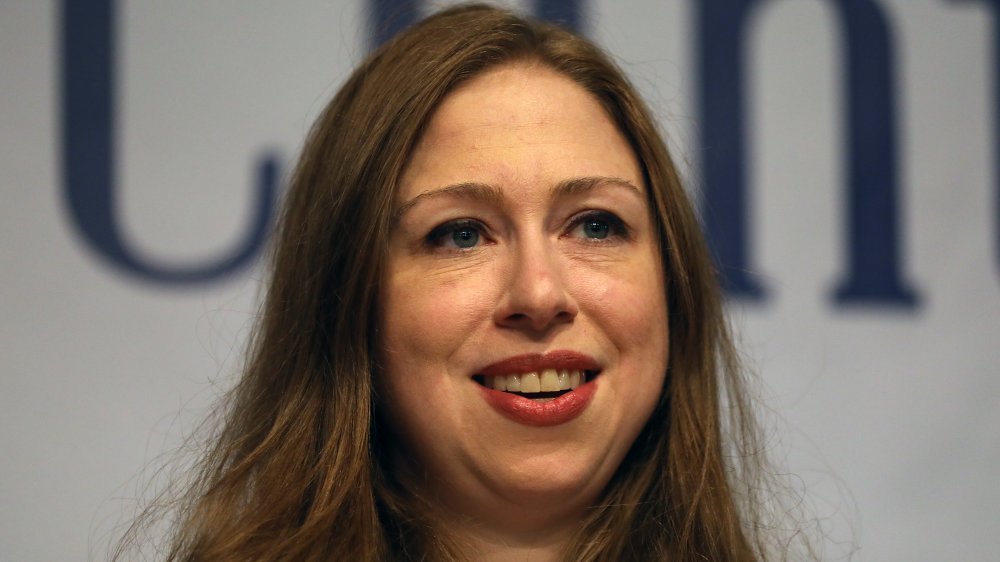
536	297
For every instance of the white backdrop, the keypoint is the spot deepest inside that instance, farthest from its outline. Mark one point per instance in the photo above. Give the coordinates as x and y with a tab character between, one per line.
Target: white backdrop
888	416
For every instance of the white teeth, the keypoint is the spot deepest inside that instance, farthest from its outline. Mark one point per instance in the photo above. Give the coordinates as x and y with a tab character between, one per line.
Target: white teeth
574	379
513	383
530	383
548	380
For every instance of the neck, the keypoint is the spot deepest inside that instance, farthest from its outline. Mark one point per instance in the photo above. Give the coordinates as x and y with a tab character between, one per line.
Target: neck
497	542
495	526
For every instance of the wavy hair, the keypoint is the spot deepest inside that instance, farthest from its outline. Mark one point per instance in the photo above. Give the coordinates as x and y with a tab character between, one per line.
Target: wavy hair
297	470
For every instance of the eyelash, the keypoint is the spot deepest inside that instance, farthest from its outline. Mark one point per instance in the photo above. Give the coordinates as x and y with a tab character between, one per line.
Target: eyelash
617	229
437	238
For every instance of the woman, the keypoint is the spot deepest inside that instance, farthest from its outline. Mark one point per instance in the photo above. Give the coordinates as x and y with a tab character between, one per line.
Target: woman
493	331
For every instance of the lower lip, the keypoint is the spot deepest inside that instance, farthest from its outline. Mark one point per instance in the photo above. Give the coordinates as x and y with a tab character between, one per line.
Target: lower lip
526	411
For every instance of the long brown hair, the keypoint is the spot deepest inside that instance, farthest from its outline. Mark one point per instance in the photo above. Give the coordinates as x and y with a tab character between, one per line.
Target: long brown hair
297	470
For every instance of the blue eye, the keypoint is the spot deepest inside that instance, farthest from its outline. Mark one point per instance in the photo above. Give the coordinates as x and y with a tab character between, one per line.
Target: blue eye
460	234
596	228
599	226
465	237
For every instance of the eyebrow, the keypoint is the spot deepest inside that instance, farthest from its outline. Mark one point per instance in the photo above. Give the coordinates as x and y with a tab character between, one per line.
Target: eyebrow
576	186
494	195
466	190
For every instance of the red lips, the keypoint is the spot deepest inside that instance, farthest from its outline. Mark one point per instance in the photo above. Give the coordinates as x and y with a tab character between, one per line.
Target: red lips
556	411
559	359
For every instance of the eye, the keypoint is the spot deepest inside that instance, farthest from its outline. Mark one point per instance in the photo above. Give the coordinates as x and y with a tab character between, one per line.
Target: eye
598	225
460	234
465	237
596	228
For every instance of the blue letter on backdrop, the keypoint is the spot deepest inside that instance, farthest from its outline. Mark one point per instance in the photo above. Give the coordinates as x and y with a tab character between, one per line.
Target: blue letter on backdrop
720	32
874	270
567	13
873	275
88	159
389	17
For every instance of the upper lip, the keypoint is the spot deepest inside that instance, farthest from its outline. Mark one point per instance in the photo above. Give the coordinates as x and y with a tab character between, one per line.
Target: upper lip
533	362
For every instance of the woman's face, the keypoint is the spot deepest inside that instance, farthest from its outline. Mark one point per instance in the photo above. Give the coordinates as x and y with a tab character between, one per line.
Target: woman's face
523	256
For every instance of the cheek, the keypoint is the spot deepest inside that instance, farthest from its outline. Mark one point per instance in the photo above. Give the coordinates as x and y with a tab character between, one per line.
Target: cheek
426	318
425	321
628	307
630	304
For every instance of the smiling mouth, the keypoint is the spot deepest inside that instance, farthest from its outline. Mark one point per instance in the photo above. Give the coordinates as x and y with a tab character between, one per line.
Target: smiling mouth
545	384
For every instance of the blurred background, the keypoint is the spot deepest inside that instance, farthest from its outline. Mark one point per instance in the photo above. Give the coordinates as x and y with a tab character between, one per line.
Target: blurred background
843	153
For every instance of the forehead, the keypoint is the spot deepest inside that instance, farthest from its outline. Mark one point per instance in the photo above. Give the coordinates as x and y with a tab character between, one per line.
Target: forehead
518	125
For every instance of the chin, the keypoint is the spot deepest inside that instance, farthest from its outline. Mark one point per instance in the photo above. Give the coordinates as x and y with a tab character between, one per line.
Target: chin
542	480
